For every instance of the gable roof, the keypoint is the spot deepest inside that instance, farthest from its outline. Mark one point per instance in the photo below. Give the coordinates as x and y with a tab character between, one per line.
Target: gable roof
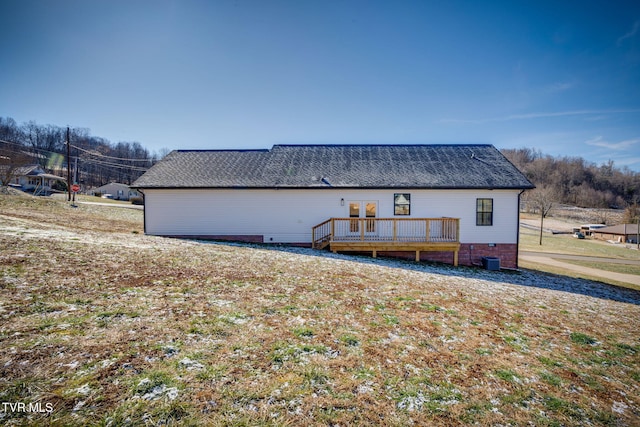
618	229
30	171
341	166
112	185
27	170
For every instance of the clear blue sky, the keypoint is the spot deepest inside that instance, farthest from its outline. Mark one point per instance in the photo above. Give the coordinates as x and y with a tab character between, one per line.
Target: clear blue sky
562	76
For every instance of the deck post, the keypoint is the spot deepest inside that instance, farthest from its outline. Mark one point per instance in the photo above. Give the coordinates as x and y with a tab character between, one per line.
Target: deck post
455	258
362	224
333	229
417	256
395	231
427	227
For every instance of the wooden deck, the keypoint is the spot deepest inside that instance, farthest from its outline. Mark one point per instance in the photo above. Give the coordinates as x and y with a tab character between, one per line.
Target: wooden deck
389	235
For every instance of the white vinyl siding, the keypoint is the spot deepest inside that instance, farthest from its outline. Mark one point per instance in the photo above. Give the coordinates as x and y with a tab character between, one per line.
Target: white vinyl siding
287	216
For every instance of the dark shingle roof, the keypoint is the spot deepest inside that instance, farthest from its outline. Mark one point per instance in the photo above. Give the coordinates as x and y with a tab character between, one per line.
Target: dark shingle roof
345	166
618	229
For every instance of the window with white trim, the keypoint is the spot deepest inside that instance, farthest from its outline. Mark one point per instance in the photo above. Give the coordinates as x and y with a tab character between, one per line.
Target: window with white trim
484	211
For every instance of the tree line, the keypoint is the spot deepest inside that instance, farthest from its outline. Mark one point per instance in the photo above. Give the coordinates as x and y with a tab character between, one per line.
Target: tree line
94	161
577	182
566	180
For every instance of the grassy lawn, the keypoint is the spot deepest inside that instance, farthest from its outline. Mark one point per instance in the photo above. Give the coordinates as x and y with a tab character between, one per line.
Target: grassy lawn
617	268
110	327
566	244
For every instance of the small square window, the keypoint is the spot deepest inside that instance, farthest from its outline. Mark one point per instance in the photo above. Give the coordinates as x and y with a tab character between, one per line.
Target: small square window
402	204
484	211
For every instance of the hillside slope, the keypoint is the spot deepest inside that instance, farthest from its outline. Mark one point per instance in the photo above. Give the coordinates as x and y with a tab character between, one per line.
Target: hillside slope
102	325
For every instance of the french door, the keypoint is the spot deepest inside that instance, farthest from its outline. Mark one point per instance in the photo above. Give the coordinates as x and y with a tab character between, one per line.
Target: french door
363	209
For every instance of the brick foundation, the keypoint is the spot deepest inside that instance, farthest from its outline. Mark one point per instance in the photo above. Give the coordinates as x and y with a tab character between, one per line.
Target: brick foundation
506	252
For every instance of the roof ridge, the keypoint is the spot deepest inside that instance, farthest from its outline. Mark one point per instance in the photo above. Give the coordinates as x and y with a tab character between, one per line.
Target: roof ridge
384	145
266	150
229	150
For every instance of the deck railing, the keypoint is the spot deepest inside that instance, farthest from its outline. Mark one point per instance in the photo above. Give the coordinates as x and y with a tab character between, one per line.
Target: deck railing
427	230
321	234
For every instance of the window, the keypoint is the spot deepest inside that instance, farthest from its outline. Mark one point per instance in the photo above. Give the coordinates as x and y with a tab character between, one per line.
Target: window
370	213
354	212
484	211
402	204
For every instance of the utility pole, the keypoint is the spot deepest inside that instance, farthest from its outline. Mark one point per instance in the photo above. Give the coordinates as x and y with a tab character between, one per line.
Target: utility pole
68	167
75	178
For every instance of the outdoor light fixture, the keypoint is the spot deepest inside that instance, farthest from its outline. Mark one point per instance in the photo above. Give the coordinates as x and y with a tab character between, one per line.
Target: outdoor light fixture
341	202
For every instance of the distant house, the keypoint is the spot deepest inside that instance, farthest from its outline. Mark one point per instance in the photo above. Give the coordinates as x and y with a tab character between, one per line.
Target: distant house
451	203
117	190
34	179
622	233
589	229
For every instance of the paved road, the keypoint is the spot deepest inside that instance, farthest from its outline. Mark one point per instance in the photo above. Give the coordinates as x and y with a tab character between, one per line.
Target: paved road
554	260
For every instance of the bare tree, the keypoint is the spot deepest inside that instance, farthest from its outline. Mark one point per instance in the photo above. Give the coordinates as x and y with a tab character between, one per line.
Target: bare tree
578	181
543	199
10	131
12	157
632	216
632	213
162	153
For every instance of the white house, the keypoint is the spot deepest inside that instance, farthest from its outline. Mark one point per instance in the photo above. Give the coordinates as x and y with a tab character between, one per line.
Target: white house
463	196
117	190
34	179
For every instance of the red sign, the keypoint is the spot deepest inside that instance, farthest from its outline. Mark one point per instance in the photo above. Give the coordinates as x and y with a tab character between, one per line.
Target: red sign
75	188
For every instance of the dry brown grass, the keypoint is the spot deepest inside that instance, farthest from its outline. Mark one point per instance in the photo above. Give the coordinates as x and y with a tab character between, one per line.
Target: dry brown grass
111	327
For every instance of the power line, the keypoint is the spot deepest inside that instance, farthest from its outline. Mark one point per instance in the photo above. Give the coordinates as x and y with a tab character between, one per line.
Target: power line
98	154
94	163
10	142
90	152
31	149
114	165
85	160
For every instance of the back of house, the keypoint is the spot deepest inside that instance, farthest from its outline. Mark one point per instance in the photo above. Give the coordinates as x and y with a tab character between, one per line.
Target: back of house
279	195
